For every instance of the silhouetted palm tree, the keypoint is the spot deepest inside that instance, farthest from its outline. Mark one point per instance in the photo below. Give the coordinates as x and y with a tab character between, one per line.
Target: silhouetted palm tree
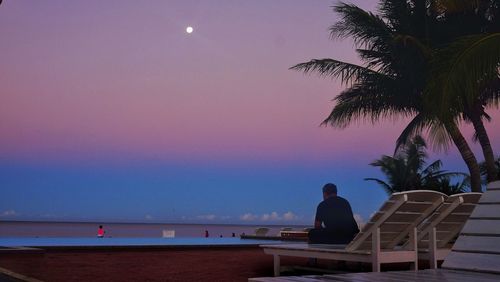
484	172
464	76
407	170
396	48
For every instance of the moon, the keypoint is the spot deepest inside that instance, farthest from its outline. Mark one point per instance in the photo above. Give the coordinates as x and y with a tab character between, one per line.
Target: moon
189	29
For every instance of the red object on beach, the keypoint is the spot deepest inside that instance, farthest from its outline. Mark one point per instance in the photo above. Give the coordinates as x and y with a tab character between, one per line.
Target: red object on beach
100	232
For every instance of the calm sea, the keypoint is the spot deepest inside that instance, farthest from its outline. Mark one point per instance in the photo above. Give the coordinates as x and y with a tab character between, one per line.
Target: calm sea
136	230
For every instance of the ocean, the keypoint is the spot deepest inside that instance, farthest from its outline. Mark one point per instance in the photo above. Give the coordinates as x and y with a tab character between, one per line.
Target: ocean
128	230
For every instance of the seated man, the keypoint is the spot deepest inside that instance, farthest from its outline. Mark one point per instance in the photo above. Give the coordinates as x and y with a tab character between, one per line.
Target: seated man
334	222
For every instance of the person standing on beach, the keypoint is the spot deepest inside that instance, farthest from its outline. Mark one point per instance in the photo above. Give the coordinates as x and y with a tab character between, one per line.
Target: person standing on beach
206	234
100	232
334	222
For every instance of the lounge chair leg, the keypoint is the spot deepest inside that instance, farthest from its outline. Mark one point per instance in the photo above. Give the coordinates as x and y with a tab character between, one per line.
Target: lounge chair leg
376	250
276	265
433	249
414	244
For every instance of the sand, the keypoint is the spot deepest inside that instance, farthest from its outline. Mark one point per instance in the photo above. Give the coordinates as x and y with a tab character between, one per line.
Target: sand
193	264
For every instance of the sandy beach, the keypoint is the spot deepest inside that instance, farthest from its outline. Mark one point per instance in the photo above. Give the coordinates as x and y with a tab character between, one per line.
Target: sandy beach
173	264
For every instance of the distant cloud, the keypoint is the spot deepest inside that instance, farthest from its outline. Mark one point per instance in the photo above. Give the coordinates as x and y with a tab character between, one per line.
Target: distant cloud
207	216
290	216
273	216
267	217
249	217
148	217
8	213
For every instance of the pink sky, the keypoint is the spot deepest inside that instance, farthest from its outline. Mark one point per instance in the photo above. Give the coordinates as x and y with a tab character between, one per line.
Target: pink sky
115	82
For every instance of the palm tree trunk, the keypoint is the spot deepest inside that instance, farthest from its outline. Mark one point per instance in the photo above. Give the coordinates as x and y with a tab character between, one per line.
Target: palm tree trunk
467	156
484	140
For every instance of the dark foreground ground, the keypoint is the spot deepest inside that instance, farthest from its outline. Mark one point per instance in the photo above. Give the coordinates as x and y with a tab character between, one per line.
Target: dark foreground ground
193	264
201	264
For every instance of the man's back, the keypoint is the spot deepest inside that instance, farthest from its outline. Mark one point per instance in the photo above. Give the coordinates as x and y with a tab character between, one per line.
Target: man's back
336	215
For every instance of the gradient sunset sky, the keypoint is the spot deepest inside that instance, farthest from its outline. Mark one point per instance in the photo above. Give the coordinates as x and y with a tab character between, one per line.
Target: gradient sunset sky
110	111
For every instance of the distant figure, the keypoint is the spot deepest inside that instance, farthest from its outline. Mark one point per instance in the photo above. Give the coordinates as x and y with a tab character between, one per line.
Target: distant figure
206	234
100	232
220	236
234	235
334	222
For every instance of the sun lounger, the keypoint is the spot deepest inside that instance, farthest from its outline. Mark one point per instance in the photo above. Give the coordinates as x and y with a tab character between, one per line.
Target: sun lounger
475	256
378	241
438	232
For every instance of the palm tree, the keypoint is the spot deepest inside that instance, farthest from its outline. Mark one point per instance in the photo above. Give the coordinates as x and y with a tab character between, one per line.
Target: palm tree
484	171
407	170
465	72
392	82
444	186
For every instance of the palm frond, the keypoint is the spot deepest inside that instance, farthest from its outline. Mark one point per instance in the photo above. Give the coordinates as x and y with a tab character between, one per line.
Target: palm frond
433	169
364	27
458	70
438	136
363	106
396	12
346	72
374	97
412	129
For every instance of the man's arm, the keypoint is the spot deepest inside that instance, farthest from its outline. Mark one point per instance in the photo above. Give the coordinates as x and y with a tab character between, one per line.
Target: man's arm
317	219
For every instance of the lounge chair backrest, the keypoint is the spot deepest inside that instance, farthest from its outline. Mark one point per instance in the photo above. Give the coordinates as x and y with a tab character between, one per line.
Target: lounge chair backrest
478	246
448	219
397	217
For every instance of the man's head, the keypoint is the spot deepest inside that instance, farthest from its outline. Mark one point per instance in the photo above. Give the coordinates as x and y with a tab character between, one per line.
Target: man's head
329	190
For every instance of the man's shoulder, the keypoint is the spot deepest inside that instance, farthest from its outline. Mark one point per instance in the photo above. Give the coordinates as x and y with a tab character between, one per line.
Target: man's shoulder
342	199
337	200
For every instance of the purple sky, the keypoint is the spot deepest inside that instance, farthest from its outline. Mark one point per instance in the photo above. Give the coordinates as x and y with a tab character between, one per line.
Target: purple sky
109	110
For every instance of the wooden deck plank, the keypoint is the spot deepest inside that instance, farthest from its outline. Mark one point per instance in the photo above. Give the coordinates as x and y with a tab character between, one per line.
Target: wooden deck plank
486	211
348	277
473	262
493	196
352	278
481	226
470	275
493	185
438	275
478	244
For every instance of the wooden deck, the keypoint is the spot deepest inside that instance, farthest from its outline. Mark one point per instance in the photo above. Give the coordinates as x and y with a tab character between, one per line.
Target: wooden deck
430	275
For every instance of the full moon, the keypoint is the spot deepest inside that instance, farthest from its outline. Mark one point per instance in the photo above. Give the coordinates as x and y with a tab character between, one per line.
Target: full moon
189	29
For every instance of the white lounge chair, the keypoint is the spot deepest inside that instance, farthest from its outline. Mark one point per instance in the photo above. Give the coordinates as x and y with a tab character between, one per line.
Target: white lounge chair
378	241
438	232
475	256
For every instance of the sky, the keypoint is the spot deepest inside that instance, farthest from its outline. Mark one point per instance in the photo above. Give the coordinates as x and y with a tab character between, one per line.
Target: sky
111	111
